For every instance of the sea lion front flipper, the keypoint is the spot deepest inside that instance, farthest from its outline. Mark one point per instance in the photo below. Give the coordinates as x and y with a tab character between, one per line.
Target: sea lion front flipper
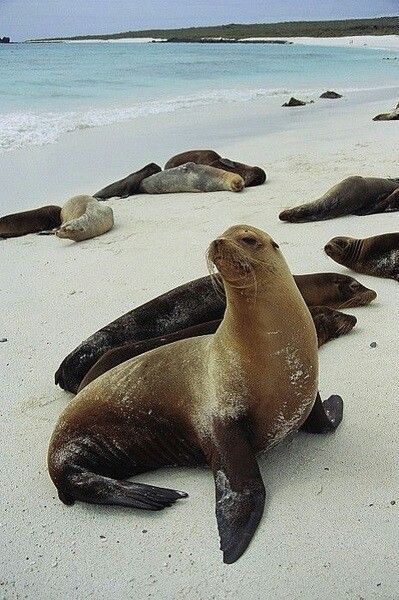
240	493
324	416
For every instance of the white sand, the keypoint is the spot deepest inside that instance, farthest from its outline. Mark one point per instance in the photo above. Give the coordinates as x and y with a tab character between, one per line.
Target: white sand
329	528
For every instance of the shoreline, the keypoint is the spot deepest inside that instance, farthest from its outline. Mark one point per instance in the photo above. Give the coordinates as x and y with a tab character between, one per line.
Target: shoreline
376	42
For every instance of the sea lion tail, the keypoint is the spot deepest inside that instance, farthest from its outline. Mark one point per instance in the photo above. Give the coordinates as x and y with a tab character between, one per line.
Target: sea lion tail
97	489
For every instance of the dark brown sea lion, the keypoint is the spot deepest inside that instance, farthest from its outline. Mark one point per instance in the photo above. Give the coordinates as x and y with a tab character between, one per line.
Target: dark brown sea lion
391	116
251	175
30	221
128	185
216	399
378	255
329	323
352	196
189	305
191	177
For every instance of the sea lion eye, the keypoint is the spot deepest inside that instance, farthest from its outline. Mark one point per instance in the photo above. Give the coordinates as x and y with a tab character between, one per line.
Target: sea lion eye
250	240
274	244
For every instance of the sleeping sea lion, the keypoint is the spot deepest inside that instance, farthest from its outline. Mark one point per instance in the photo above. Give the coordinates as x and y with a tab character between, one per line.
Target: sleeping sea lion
352	196
329	323
83	217
192	178
215	399
128	185
378	255
191	304
251	175
30	221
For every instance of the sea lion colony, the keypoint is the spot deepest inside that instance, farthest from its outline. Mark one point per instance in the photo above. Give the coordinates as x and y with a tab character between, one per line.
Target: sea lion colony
216	348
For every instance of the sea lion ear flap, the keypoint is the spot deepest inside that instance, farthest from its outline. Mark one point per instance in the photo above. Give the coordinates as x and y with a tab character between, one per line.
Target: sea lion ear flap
240	493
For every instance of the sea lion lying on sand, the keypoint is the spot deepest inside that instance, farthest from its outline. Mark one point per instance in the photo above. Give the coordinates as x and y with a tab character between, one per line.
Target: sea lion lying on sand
329	323
191	177
128	185
189	305
378	255
30	221
352	196
251	175
83	217
215	399
391	116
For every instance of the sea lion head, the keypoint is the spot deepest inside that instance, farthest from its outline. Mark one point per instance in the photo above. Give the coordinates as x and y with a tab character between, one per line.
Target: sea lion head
243	254
331	323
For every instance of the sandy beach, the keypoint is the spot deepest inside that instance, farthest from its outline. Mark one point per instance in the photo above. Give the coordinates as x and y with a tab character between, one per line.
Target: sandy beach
331	524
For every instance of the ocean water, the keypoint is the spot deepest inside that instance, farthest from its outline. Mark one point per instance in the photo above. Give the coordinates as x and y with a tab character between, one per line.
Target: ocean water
47	90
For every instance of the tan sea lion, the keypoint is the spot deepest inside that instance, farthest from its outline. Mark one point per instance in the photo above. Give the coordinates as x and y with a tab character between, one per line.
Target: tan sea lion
30	221
192	178
378	255
329	323
352	196
216	399
189	305
128	185
83	217
251	175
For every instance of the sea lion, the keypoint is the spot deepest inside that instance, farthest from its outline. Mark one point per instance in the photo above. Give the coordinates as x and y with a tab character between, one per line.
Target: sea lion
191	304
329	323
391	116
30	221
251	175
83	217
128	185
217	399
192	178
353	196
378	255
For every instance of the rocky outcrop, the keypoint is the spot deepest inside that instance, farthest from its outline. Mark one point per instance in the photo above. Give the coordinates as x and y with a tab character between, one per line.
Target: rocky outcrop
294	102
5	40
331	95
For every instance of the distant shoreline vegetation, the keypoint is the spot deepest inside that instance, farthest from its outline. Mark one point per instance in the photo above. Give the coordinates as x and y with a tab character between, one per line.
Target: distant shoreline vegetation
235	32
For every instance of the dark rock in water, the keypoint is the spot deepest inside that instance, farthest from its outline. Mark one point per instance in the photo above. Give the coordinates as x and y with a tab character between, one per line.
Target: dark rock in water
3	340
331	95
294	102
373	345
5	40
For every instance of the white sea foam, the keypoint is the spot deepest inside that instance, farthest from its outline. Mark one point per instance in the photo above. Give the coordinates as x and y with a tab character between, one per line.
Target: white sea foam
21	129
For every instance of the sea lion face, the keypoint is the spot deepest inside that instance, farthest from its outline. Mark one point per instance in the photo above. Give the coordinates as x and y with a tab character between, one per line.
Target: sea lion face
338	248
345	292
241	251
331	323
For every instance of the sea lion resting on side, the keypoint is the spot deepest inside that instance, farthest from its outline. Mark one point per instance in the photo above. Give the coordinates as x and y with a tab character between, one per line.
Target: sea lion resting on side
191	304
216	399
378	255
329	323
352	196
251	175
83	217
30	221
391	116
128	185
192	178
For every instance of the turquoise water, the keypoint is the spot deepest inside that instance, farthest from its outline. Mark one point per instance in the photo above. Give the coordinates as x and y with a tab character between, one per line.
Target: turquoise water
49	89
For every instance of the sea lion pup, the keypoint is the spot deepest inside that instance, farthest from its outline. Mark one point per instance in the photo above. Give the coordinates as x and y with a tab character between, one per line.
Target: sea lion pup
30	221
189	305
192	178
83	217
378	255
128	185
352	196
329	323
251	175
216	399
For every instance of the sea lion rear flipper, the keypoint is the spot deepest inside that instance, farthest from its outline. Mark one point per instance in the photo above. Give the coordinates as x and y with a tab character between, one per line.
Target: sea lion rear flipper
324	416
240	493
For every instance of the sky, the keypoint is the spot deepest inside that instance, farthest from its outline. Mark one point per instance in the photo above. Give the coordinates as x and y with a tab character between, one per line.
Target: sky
24	19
